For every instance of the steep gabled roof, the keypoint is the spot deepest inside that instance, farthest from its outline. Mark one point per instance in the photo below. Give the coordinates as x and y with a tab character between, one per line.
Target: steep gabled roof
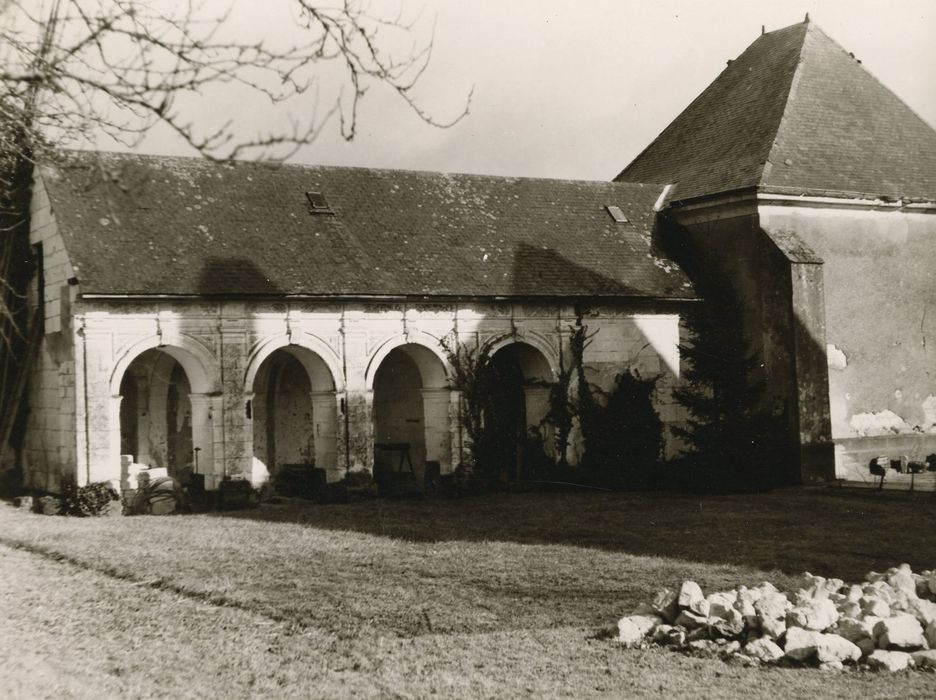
795	113
146	225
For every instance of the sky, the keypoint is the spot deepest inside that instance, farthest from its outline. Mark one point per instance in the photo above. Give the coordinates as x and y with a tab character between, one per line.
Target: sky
574	88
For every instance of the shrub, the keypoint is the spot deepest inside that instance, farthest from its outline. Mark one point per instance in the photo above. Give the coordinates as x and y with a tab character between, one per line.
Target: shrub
623	435
88	501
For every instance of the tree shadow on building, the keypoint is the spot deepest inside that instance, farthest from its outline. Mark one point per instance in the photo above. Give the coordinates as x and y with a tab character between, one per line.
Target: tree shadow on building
234	276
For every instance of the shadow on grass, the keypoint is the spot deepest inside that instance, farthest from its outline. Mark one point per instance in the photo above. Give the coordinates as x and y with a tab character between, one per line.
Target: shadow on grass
826	532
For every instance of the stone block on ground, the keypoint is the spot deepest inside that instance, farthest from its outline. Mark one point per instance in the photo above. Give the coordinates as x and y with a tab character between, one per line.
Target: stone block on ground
832	647
902	580
923	610
854	630
666	604
705	646
763	649
25	502
690	620
874	606
731	624
690	593
930	635
816	614
902	632
720	603
773	628
801	644
925	658
633	628
889	660
880	589
819	587
50	505
772	604
849	609
668	635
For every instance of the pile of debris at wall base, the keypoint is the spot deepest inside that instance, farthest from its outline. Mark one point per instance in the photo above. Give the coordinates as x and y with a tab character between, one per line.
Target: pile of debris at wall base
887	623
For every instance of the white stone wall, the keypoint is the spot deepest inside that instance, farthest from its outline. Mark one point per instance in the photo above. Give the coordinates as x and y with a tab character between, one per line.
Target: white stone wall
222	347
49	447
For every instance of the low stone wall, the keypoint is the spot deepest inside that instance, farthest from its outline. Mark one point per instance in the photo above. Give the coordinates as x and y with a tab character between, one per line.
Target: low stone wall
853	455
888	622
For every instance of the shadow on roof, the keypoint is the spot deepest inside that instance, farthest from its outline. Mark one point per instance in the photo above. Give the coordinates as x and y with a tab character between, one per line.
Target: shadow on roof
234	276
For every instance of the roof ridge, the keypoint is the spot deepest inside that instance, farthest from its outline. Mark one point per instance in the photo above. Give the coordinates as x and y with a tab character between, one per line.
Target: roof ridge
791	90
871	75
675	125
321	166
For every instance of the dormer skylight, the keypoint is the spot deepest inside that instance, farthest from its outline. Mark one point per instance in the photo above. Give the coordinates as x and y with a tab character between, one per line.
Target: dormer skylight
318	204
616	213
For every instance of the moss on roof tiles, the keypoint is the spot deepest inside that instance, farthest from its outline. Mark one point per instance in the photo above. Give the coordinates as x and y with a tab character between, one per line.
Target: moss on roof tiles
794	113
150	225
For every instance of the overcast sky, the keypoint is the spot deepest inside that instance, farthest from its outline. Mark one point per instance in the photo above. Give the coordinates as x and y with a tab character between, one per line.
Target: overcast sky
576	88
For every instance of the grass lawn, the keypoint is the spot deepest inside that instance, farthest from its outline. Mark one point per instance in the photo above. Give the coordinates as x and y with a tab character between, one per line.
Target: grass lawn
495	596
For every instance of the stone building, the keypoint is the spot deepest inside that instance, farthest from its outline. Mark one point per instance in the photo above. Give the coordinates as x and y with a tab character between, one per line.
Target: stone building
810	187
251	317
248	317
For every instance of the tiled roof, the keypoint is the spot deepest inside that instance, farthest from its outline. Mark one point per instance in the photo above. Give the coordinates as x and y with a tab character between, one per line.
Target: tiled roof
147	225
795	113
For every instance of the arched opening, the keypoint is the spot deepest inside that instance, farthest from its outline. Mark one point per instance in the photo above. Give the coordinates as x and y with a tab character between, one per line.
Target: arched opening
411	416
520	442
156	413
295	416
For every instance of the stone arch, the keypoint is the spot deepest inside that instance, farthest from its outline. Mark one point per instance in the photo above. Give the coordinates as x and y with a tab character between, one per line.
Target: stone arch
519	403
320	356
412	400
292	384
536	342
421	347
200	365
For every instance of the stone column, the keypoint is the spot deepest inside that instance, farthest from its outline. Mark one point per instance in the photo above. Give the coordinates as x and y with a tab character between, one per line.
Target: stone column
241	457
325	429
361	430
105	433
456	433
99	422
203	435
359	400
237	429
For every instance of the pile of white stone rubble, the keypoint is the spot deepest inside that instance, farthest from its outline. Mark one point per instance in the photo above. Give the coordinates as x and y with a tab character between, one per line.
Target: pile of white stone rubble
888	622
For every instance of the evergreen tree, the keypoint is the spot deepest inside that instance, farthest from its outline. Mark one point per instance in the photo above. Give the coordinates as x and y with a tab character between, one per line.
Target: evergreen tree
626	435
734	443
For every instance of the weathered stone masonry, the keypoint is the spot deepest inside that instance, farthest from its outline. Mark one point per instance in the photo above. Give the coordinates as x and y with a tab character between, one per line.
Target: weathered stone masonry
224	347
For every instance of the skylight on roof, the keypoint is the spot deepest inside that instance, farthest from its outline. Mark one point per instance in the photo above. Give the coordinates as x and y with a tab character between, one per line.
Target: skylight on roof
616	213
318	204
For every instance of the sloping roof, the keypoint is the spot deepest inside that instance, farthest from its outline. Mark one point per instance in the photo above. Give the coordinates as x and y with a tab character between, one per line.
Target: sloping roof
147	225
795	113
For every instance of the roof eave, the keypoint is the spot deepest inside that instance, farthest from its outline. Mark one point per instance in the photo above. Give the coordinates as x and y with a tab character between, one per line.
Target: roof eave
442	298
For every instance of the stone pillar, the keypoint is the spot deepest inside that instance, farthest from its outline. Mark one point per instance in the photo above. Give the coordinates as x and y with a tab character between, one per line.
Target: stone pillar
105	462
436	405
360	406
237	428
239	461
325	429
99	426
456	432
359	400
205	409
